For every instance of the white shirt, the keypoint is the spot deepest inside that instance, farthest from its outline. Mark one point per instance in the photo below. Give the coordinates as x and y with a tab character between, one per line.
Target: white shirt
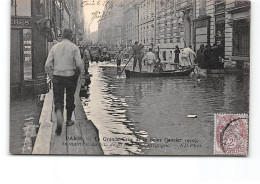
187	52
63	59
150	56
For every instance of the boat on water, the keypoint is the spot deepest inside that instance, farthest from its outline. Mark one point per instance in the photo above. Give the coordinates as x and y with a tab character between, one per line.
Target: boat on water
168	73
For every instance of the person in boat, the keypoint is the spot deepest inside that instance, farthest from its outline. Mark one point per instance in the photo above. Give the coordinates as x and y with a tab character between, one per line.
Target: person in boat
186	57
137	54
158	67
150	60
177	55
192	56
157	53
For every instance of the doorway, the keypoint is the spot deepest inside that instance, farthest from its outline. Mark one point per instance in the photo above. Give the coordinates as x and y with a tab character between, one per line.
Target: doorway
15	60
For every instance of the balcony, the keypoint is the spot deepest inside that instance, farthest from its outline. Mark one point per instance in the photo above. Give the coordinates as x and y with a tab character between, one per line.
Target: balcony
242	3
238	6
219	1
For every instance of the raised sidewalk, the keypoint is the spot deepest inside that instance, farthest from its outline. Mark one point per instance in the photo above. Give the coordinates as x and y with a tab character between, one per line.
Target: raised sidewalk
79	139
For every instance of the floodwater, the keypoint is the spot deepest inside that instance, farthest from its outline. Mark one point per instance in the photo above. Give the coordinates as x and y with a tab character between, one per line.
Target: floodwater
149	116
24	115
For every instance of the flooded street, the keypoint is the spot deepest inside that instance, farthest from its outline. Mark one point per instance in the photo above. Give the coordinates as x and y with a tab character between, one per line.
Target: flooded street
149	116
24	116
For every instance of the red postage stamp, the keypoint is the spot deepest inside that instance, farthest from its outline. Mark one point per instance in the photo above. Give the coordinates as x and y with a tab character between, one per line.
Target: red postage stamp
231	134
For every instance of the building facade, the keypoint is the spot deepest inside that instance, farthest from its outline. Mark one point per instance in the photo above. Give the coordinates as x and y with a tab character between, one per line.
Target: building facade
227	24
146	16
173	26
237	34
163	24
35	24
130	27
110	27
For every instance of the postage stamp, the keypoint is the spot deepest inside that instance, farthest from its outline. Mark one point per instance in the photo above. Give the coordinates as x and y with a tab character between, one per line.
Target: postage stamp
231	134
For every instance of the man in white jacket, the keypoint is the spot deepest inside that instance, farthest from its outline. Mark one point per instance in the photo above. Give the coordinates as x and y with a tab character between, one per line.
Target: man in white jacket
64	66
186	56
150	60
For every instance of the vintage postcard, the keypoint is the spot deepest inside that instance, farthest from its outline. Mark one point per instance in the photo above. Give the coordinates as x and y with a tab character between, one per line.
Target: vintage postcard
130	77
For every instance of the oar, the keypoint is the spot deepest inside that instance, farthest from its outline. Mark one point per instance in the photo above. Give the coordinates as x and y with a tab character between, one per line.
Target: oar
126	64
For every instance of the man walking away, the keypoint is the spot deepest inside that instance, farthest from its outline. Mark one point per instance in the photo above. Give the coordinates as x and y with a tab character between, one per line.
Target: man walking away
150	60
64	66
137	53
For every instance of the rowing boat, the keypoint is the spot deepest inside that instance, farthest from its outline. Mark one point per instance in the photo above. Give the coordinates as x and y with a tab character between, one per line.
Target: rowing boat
168	73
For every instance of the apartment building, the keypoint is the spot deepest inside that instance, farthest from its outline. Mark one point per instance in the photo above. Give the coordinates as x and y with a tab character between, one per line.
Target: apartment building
35	24
173	26
130	23
146	16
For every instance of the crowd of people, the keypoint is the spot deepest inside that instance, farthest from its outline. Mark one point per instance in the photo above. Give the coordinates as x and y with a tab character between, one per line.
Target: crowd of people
210	57
206	57
66	62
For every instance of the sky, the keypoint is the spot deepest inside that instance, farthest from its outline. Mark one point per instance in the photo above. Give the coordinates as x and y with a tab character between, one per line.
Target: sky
92	10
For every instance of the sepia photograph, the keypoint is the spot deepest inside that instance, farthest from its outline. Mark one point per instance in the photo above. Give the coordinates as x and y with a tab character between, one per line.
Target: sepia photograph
130	77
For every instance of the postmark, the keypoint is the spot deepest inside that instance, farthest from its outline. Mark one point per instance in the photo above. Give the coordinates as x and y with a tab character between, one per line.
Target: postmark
231	134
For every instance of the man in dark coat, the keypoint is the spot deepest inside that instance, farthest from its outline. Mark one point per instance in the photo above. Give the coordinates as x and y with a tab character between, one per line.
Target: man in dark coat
200	56
177	54
137	53
214	57
207	56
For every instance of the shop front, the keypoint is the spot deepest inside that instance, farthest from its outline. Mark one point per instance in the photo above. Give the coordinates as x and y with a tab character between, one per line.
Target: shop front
28	54
239	23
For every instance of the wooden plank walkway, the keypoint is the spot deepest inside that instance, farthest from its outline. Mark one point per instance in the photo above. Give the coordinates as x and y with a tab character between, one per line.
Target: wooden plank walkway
79	139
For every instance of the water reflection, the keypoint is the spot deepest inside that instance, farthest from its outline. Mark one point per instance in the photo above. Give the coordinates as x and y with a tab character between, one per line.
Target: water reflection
128	112
108	112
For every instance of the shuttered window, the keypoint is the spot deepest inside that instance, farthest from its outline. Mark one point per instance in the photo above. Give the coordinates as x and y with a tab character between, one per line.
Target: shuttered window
241	38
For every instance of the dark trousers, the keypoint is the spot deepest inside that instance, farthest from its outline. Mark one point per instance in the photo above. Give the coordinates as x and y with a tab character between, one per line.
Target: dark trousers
60	83
139	59
118	62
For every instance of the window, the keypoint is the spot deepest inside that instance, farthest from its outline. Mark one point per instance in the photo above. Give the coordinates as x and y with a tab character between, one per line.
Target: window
39	7
202	10
22	7
13	7
58	13
220	29
241	38
164	55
